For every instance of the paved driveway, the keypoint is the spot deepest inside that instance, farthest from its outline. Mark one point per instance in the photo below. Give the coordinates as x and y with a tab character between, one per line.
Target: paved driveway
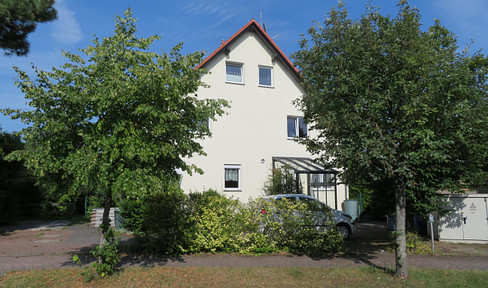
41	245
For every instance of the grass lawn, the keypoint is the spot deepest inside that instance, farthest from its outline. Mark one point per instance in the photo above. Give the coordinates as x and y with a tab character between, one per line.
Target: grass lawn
243	277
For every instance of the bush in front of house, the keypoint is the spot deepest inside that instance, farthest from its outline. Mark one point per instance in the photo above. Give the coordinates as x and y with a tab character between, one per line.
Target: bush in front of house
221	224
159	219
172	222
292	226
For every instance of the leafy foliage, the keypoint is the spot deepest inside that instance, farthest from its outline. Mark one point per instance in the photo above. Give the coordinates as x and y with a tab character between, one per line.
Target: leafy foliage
18	18
280	181
395	104
295	227
108	255
416	245
377	198
218	224
16	187
10	172
158	218
176	223
118	121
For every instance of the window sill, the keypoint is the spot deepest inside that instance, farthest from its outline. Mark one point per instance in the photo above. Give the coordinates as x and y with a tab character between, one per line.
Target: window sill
266	86
235	83
232	190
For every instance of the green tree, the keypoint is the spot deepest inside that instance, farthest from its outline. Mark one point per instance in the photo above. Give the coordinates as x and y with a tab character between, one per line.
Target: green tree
18	18
281	181
118	121
396	104
11	179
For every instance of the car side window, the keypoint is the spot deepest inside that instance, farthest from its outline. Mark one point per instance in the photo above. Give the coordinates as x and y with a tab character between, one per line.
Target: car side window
323	207
311	204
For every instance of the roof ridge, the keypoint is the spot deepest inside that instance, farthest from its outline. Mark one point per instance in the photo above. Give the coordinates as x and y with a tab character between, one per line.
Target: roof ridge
237	34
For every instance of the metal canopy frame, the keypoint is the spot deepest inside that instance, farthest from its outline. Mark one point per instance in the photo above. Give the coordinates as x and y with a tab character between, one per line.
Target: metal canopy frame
303	165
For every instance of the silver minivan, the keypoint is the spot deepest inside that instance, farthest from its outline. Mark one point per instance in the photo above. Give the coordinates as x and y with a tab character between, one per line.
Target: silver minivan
342	220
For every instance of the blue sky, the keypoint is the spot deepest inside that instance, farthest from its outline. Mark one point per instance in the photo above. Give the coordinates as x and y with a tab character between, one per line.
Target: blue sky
202	25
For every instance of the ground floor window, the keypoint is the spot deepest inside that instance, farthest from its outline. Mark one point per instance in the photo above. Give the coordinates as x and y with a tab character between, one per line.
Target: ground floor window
232	177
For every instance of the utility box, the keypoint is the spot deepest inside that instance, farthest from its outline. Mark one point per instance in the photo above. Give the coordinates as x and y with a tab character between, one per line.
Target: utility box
467	221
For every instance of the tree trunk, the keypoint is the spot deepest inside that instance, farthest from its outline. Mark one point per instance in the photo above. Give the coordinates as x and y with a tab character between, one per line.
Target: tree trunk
105	219
401	240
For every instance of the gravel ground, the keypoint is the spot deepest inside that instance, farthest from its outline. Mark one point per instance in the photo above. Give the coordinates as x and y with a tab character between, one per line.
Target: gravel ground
42	245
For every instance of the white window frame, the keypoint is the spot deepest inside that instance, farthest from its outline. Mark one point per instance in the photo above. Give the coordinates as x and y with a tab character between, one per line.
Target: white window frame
239	180
271	75
297	127
234	64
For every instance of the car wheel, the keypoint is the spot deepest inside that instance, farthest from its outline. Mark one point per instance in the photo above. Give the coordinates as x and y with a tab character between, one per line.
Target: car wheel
344	230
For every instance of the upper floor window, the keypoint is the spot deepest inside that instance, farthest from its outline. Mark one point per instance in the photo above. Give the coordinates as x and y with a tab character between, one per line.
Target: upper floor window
233	73
265	76
296	127
202	127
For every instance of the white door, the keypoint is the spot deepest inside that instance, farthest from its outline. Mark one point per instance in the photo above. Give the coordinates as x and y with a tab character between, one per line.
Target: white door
451	225
475	219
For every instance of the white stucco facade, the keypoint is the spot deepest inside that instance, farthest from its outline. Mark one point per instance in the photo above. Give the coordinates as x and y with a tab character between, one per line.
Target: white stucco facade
255	126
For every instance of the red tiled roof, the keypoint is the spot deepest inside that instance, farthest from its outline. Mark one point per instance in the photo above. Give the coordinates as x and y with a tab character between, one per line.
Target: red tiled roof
265	37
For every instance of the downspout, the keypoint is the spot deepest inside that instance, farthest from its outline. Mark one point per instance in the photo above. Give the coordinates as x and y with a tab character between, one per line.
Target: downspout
297	176
308	184
335	190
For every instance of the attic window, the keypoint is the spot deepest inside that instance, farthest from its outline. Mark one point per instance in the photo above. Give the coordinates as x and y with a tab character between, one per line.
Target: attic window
265	76
233	73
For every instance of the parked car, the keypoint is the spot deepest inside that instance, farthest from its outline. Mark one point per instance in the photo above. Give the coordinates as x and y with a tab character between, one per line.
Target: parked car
342	220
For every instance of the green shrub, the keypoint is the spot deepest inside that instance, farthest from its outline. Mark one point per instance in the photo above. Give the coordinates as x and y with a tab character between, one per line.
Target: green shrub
281	181
220	224
416	244
171	222
159	220
108	255
294	227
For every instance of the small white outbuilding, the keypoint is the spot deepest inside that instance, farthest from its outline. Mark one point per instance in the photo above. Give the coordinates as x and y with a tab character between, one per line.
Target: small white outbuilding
468	220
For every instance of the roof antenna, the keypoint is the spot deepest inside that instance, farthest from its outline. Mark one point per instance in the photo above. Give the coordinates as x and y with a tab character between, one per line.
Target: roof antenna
261	20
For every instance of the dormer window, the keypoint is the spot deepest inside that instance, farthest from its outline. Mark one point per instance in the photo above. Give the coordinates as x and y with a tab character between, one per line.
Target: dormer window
265	76
233	73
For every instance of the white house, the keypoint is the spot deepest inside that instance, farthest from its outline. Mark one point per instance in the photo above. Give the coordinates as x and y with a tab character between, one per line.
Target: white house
259	130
